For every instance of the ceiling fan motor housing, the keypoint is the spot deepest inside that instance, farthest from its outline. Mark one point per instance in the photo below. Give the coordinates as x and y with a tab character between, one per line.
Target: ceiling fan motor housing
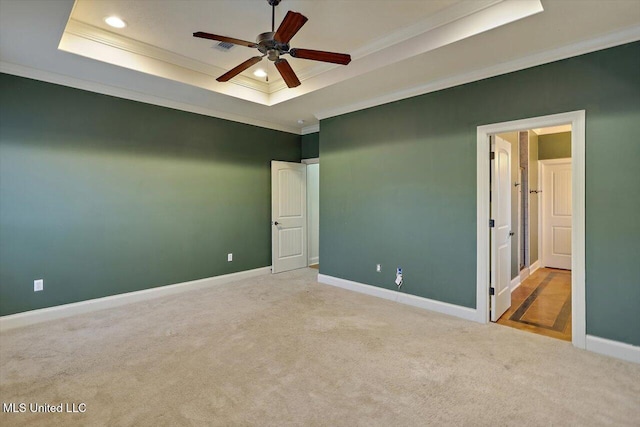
267	45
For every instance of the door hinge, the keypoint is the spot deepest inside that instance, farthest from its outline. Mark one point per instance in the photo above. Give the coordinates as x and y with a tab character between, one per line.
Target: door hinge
492	155
492	291
492	223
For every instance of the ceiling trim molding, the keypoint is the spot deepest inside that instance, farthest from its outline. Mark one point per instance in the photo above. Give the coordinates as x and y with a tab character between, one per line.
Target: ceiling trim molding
606	41
90	86
90	39
498	14
450	14
126	44
310	129
444	17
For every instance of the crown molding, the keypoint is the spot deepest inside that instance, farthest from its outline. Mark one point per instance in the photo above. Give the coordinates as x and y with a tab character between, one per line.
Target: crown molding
104	37
127	44
446	16
606	41
452	13
60	79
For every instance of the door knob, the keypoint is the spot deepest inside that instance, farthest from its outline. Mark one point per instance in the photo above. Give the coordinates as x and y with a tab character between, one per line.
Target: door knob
276	223
511	233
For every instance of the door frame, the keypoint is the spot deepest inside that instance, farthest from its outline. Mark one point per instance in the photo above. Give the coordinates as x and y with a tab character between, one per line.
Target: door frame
577	119
541	204
312	161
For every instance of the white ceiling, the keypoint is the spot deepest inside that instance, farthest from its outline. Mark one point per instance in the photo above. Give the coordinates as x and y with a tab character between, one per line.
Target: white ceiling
400	49
335	26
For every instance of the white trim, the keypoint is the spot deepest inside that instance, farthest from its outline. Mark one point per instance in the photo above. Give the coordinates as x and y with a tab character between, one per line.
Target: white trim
314	260
310	129
541	165
461	20
402	298
616	38
66	310
50	77
447	16
451	14
524	273
118	41
577	121
534	266
515	283
617	349
312	161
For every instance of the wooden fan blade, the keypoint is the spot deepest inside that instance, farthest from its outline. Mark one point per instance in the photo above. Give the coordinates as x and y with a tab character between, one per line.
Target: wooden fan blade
320	55
209	36
240	68
289	26
287	73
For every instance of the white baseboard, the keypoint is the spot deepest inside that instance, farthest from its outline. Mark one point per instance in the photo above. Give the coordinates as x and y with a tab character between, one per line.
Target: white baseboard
617	349
515	283
58	312
402	298
524	273
313	261
533	267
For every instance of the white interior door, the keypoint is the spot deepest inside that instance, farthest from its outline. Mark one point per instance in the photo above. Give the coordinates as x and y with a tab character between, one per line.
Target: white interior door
501	230
556	213
288	216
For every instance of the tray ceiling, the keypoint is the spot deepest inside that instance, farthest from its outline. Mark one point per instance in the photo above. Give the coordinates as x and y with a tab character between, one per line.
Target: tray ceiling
399	48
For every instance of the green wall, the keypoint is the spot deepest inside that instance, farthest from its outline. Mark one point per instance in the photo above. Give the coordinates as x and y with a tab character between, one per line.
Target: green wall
100	195
311	145
398	183
554	146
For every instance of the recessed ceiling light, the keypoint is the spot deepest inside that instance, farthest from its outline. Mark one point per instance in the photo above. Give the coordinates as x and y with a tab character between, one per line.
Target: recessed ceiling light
115	22
300	122
260	73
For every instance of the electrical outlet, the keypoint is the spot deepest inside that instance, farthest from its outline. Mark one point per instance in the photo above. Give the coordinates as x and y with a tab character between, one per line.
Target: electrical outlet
38	285
378	268
399	280
229	257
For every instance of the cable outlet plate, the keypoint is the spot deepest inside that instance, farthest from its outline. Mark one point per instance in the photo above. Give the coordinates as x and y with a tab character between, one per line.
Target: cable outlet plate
38	285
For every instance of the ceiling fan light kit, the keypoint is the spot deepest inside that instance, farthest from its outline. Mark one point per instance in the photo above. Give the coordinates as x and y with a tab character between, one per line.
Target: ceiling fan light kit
274	44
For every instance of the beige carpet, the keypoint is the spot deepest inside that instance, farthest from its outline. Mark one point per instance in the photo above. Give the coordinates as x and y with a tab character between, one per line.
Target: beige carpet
284	350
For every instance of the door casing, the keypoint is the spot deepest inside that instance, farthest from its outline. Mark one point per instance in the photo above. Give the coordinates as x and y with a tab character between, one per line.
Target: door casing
577	120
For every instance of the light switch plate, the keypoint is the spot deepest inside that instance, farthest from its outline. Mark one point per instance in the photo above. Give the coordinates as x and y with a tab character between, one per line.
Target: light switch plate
229	257
38	285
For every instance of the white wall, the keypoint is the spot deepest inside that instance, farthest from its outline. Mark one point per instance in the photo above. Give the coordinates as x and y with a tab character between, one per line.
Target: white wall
313	211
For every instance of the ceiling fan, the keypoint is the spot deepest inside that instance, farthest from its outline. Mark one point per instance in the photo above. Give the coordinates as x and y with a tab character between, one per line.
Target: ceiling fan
274	44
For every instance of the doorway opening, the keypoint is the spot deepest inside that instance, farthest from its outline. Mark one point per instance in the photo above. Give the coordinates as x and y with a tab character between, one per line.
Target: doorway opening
313	211
531	247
